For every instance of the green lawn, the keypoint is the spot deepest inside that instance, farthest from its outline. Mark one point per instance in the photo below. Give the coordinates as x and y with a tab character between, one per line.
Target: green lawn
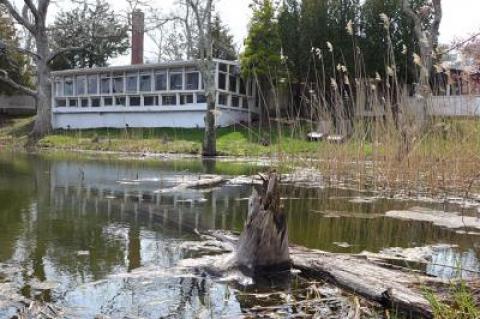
230	141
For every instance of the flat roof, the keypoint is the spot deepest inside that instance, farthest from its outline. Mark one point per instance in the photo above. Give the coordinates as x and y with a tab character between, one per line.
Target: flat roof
135	67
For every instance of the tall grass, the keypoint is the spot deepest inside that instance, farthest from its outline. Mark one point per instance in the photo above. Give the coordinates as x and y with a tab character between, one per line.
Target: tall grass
393	142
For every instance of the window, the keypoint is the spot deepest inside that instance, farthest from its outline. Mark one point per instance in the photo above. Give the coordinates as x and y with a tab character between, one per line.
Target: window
118	85
132	81
72	102
84	102
58	88
176	81
201	98
81	85
192	81
245	103
160	82
223	99
222	81
150	100
92	84
95	102
243	89
107	101
145	83
61	103
68	87
223	67
186	99
134	101
120	101
235	101
232	85
169	100
105	86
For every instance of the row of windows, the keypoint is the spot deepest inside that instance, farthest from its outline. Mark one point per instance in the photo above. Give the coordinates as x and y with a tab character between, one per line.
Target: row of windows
150	100
131	83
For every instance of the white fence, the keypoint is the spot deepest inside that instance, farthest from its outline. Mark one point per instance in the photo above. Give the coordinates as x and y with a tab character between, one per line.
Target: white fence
17	104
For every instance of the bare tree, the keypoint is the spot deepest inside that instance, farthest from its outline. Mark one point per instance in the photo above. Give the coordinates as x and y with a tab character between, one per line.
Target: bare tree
42	55
202	12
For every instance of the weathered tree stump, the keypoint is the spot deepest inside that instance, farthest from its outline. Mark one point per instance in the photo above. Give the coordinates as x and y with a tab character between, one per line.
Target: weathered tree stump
263	244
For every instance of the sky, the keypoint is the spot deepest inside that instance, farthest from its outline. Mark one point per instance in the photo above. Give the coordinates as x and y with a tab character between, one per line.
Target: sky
460	18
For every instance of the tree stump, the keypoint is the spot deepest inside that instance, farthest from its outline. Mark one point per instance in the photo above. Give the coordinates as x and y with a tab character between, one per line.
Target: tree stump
263	244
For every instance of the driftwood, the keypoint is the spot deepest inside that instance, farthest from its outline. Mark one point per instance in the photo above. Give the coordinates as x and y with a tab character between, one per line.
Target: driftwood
207	181
263	244
372	279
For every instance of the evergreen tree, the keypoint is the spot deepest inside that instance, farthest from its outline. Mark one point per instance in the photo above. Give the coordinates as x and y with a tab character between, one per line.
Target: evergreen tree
96	29
289	19
223	44
11	61
261	57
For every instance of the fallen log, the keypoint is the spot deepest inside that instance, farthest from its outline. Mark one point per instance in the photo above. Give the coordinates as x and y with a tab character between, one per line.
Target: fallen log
206	181
393	288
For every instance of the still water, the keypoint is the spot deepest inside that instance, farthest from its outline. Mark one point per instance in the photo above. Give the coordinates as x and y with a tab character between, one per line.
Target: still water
72	230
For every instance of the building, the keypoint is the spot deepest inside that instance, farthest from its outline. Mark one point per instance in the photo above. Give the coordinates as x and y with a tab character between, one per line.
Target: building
168	94
148	95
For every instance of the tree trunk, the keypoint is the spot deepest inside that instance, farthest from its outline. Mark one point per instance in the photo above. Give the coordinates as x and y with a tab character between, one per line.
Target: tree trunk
263	244
43	124
210	136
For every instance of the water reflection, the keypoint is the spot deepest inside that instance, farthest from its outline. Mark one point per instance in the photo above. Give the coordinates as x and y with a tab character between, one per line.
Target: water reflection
72	224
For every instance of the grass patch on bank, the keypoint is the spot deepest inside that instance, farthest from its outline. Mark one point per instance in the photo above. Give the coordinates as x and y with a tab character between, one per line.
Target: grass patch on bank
14	130
231	141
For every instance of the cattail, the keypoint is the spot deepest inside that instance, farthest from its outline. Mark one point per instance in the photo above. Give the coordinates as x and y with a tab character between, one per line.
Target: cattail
349	27
319	53
378	77
330	46
333	83
390	71
417	60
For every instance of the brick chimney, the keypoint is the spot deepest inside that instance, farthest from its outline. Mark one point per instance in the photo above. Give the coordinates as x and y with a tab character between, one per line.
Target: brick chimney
138	28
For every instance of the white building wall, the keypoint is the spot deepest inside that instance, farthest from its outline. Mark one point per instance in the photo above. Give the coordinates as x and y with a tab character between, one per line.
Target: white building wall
190	117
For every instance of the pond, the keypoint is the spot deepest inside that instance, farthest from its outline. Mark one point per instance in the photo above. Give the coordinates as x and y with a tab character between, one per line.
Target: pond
96	236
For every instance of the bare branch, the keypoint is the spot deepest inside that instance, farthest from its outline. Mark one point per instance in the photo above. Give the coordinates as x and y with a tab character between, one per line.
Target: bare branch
16	15
29	4
6	79
59	52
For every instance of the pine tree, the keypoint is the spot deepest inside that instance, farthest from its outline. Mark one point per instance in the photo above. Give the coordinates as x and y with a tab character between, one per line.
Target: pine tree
223	43
261	57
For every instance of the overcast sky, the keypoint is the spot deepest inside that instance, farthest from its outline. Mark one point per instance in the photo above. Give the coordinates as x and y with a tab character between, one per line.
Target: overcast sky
460	18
